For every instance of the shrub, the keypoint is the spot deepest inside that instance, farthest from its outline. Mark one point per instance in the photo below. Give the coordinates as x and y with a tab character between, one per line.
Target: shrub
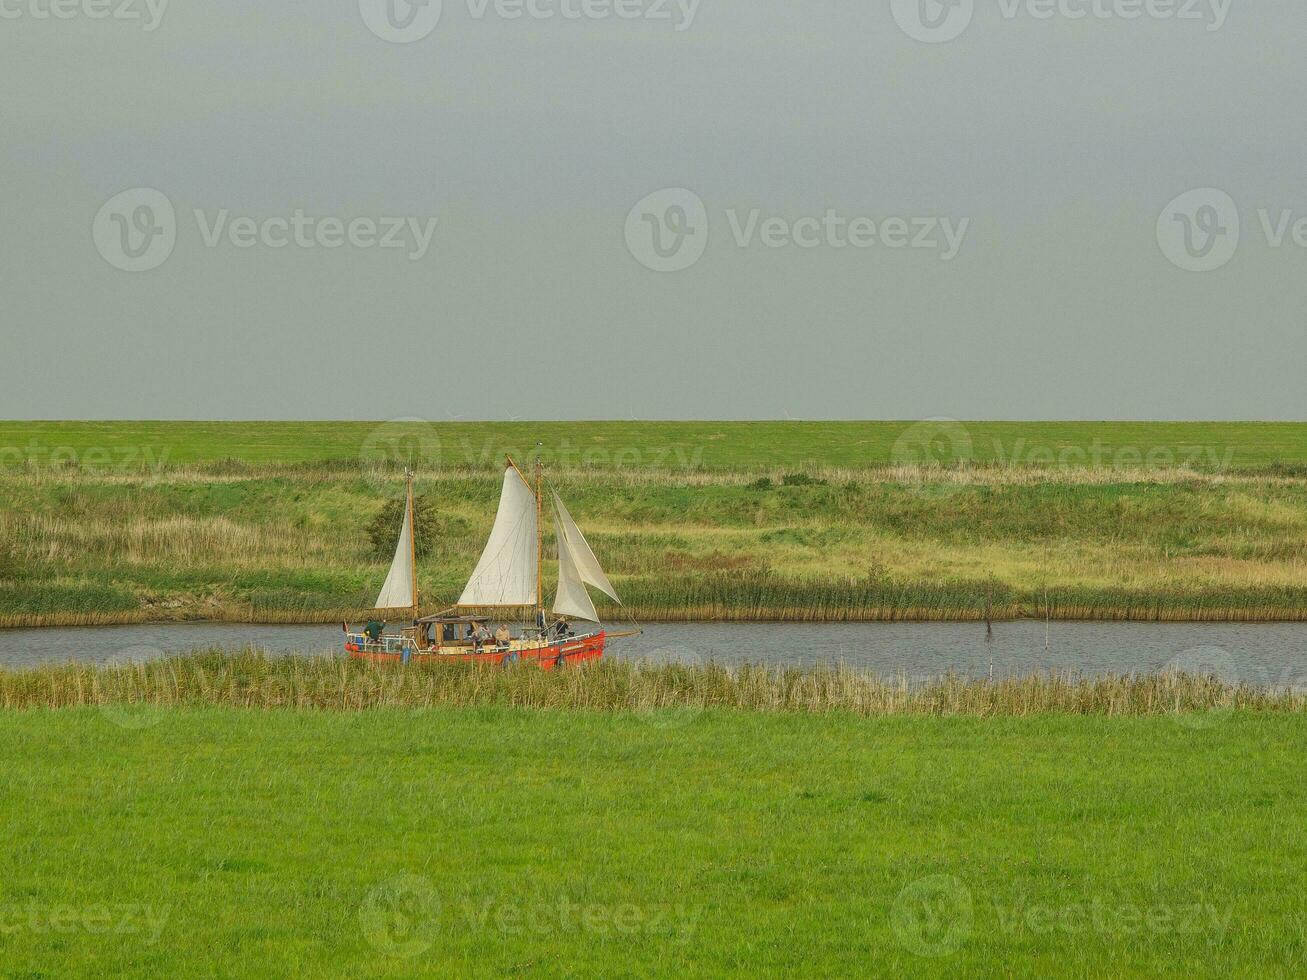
428	527
801	480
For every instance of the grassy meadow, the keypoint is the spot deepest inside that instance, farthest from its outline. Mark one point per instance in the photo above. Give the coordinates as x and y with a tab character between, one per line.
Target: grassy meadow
196	841
129	522
714	446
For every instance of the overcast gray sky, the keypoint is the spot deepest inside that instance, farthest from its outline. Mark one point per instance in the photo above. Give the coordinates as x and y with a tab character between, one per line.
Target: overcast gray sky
1034	158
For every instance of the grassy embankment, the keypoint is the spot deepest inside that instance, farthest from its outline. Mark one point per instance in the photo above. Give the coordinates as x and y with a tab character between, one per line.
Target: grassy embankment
126	522
684	837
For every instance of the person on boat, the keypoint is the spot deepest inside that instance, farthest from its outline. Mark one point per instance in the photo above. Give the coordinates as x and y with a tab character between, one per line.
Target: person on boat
374	629
503	636
563	629
480	636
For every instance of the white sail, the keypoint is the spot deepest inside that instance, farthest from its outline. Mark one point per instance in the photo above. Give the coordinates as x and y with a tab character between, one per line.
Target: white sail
587	565
572	598
397	593
506	573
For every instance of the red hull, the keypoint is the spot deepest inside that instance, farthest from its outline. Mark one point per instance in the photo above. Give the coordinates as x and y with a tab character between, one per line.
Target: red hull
564	653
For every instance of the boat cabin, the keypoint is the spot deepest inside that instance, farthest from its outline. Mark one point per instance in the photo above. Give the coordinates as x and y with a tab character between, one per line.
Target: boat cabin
444	630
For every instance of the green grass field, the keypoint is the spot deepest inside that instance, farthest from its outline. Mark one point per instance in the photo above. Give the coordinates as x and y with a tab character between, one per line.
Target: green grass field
126	522
493	842
652	445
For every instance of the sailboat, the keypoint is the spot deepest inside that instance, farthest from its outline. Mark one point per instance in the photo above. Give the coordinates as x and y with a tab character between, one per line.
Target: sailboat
508	578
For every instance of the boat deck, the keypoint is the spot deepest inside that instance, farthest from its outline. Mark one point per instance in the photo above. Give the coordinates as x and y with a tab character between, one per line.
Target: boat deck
547	655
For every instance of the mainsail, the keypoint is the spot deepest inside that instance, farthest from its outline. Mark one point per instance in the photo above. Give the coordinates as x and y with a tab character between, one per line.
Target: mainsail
587	565
572	598
506	573
399	590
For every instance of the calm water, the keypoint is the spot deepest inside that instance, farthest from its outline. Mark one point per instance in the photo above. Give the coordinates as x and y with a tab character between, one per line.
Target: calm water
1273	654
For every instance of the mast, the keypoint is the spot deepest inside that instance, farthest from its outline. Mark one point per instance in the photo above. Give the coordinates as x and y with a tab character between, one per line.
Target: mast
412	543
540	543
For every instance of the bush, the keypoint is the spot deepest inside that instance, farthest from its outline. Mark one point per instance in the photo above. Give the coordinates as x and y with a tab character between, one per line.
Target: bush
762	483
428	527
801	480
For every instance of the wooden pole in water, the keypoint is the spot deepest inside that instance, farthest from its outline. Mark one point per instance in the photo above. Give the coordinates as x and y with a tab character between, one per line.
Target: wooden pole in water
1048	610
989	613
989	627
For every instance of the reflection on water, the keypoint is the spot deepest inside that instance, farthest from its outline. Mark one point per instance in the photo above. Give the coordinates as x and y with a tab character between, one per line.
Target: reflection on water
1265	654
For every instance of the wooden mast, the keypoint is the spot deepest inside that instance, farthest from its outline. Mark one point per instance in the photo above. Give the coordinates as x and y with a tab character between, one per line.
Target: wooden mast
412	543
540	543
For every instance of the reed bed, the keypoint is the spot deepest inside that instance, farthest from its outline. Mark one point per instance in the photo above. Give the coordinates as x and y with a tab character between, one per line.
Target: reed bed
288	542
921	477
830	608
250	680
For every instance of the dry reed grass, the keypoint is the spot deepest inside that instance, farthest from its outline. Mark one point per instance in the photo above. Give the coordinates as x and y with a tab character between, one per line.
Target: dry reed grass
971	474
250	680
